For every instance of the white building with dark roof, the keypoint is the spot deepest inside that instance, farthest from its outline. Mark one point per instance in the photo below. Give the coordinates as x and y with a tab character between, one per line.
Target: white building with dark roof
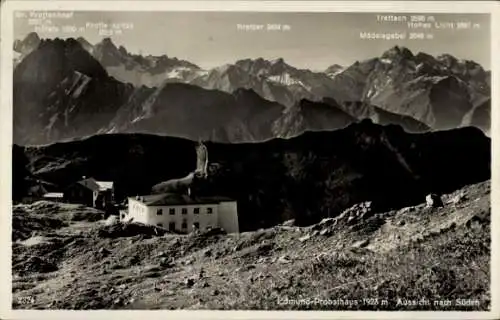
182	212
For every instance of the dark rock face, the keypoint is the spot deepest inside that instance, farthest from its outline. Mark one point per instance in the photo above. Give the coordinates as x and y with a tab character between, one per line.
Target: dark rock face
311	116
28	44
479	117
191	112
315	175
362	110
60	92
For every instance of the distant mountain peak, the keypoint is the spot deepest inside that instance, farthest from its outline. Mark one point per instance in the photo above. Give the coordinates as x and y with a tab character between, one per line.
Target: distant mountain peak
85	44
398	51
424	57
107	53
32	36
122	50
278	61
82	40
108	43
28	44
334	69
447	58
335	66
260	63
225	68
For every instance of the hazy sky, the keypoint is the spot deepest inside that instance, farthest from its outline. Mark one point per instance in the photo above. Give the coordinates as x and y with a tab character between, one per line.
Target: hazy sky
314	41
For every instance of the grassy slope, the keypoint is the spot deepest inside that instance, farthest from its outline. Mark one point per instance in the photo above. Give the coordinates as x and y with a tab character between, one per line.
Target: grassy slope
411	253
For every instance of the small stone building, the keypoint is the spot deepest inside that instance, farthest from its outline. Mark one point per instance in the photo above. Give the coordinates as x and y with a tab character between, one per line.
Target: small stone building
90	192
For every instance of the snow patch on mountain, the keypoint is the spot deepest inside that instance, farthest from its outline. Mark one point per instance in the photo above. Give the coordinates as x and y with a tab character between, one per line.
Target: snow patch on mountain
332	75
286	79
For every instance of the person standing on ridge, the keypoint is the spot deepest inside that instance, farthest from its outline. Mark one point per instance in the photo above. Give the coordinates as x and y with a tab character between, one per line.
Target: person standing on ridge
202	159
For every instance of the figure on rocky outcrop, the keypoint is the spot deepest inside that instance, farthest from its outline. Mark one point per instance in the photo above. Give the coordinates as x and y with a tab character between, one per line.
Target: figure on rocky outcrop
202	160
183	185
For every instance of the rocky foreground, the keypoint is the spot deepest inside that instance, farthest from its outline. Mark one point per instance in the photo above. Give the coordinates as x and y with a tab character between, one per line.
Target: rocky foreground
417	258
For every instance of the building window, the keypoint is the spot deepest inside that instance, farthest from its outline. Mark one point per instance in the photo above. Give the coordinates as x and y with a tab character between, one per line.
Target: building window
159	225
184	210
159	212
196	225
184	225
171	226
171	211
196	210
209	210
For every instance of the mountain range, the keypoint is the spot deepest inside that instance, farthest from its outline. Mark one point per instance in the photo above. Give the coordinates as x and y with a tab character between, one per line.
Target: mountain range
66	89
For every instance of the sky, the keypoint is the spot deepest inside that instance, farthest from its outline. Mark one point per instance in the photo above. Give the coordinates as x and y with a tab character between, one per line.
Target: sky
311	40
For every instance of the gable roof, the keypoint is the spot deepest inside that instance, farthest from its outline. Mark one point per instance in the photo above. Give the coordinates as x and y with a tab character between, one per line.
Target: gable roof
175	199
95	185
89	183
105	185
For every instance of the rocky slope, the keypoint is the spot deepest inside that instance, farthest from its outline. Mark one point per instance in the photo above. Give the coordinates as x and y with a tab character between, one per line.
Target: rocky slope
315	175
359	261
